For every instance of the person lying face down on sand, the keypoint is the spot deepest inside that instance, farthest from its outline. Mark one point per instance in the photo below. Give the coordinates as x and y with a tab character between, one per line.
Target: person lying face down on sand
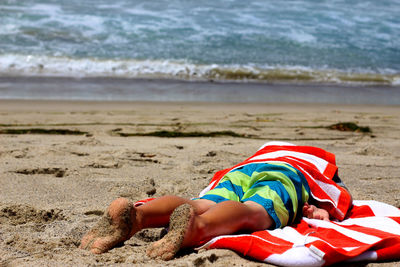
254	197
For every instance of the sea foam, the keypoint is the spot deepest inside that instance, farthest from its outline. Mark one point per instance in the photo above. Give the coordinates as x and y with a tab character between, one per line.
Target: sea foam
50	66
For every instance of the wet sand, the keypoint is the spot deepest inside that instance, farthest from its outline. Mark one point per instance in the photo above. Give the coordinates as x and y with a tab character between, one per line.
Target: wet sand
63	162
125	89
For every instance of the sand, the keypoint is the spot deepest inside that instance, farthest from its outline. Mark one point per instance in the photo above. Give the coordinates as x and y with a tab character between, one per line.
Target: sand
71	159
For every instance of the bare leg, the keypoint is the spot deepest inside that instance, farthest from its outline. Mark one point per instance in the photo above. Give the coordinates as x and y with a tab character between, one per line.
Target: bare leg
312	212
122	220
156	213
187	228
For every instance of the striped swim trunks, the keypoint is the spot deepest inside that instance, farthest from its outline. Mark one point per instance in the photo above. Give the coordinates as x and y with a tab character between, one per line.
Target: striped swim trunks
281	189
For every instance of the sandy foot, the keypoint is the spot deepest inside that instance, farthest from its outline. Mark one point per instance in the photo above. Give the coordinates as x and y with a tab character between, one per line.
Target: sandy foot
113	228
180	221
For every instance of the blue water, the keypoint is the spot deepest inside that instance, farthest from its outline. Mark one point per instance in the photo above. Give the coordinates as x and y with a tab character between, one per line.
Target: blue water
332	41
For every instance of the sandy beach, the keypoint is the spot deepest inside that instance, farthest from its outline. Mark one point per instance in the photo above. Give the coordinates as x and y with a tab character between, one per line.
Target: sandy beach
63	162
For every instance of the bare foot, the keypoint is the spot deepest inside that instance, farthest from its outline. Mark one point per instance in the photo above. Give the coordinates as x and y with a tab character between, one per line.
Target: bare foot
312	212
117	225
180	222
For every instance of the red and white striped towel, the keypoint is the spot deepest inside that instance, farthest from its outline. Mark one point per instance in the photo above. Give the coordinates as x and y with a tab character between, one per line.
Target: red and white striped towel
370	230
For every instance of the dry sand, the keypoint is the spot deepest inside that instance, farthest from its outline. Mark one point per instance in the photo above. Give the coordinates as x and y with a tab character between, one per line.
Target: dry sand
54	187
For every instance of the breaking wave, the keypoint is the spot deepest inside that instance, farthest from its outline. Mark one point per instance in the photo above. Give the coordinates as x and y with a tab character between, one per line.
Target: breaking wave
45	66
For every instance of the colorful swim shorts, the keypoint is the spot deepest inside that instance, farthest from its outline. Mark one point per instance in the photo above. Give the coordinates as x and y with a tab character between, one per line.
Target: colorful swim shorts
281	189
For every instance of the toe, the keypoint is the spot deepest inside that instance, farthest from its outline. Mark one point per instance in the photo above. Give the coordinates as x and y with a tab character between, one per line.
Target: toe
104	244
167	256
152	250
86	240
96	251
149	251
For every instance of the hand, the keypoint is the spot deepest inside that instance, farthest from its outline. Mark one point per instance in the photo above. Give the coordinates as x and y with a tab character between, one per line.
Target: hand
312	212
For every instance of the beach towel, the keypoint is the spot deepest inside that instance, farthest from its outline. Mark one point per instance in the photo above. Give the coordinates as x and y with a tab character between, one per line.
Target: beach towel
359	230
371	232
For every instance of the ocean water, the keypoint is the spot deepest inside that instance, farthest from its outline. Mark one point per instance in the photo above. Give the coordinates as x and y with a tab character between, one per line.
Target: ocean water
333	41
256	41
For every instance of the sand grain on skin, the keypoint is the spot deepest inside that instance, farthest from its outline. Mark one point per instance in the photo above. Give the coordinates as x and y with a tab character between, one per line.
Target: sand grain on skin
169	245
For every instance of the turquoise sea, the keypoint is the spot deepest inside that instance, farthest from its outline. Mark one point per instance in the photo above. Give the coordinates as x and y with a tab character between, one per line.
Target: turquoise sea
336	42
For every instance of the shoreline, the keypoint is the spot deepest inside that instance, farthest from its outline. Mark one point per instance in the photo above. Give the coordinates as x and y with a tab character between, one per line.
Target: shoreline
110	105
115	89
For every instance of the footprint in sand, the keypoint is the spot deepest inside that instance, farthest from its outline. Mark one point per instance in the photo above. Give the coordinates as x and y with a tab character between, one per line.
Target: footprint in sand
138	157
22	214
137	190
371	151
57	172
94	212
